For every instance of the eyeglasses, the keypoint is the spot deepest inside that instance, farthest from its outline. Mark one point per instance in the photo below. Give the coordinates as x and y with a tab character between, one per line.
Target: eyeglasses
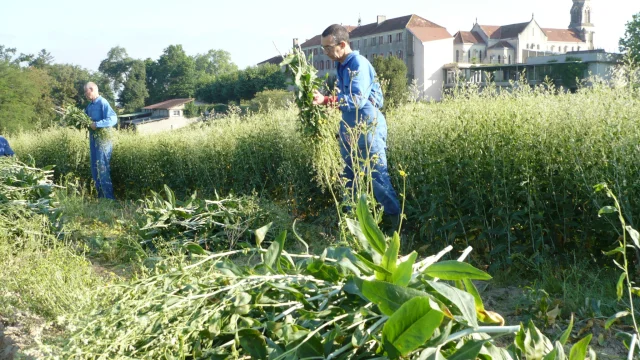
326	48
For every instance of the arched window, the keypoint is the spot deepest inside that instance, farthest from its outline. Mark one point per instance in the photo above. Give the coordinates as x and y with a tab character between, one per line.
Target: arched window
469	55
499	60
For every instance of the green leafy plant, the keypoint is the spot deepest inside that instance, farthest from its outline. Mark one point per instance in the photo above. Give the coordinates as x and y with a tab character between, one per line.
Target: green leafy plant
74	117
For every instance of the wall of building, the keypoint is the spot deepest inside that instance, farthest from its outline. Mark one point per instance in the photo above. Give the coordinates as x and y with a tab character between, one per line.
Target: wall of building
432	55
169	124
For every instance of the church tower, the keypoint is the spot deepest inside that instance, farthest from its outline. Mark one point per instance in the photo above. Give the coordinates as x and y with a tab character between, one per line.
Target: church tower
581	21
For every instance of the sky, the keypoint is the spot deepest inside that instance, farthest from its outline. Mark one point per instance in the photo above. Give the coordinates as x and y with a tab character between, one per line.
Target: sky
81	32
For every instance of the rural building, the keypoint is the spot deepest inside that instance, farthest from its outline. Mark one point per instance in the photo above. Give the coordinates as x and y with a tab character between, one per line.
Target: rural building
167	115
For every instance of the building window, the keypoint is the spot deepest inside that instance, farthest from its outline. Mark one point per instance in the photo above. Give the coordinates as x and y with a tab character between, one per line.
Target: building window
399	37
358	44
499	60
578	48
509	59
469	55
457	55
566	48
400	55
381	40
373	41
390	39
364	42
480	55
538	46
328	64
553	48
176	112
315	51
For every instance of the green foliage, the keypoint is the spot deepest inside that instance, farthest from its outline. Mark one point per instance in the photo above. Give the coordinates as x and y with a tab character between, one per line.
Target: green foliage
134	93
507	174
116	66
269	100
172	76
24	98
215	63
631	41
393	73
210	223
243	84
569	72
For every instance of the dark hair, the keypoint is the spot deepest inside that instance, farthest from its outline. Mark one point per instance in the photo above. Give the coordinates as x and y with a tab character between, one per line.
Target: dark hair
338	32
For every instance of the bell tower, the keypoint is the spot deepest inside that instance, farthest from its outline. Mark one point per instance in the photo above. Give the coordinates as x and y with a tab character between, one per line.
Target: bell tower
581	21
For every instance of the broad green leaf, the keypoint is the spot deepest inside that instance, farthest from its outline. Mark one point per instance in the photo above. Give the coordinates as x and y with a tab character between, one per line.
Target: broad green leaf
557	353
495	353
254	343
484	316
272	256
431	354
535	344
615	317
607	210
412	325
635	236
579	349
261	233
402	275
455	270
356	229
565	335
618	250
462	300
195	248
388	297
311	348
620	286
369	227
372	265
469	350
389	259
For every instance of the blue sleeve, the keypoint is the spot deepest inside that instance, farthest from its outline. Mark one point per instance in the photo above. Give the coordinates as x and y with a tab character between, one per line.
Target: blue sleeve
359	88
5	149
110	118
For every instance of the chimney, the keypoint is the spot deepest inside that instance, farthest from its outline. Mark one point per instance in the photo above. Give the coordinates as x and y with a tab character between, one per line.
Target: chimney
295	42
381	19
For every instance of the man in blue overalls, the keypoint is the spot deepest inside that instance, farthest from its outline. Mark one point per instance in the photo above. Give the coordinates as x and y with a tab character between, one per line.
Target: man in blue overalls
5	149
359	93
103	117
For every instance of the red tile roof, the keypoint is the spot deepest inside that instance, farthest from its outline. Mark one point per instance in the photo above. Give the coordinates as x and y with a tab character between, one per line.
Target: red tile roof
169	104
403	22
425	34
565	35
468	37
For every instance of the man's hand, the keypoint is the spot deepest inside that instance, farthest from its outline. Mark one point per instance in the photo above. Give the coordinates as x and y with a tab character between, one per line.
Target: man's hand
93	126
318	99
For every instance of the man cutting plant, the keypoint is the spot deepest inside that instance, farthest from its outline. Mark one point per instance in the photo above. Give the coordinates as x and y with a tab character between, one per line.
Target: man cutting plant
359	98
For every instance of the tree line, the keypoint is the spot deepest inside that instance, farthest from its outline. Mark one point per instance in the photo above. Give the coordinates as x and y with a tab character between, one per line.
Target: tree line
31	85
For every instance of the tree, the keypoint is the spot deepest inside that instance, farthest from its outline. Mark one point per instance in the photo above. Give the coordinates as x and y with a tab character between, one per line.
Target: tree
42	60
134	93
631	40
68	83
7	54
243	85
172	76
24	98
393	73
215	62
115	66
